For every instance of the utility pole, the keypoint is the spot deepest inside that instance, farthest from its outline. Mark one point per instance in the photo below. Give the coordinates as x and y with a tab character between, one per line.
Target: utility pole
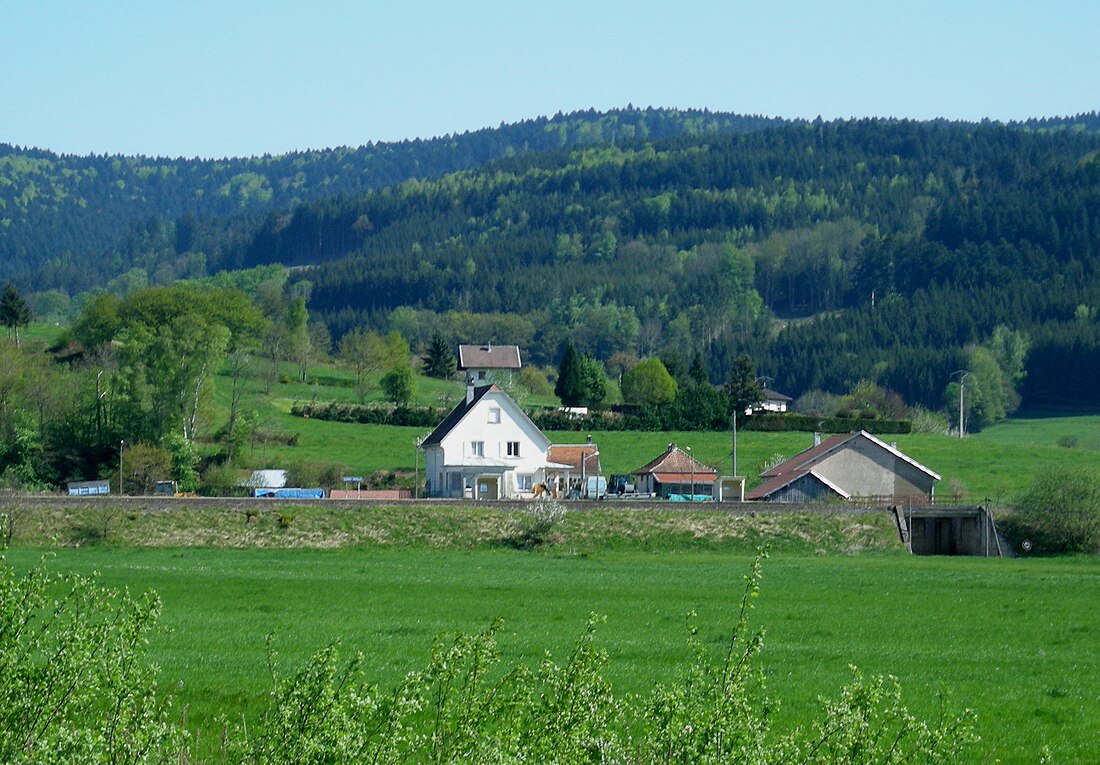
417	443
962	385
733	422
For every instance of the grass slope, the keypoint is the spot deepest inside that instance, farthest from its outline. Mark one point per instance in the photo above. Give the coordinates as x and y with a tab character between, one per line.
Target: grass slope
326	525
1012	639
995	465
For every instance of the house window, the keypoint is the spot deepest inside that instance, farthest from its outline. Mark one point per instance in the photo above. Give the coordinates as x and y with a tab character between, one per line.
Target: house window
494	415
524	481
477	448
513	448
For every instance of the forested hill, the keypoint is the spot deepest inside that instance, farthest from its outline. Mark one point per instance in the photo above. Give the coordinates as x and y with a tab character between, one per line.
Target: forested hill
909	241
72	222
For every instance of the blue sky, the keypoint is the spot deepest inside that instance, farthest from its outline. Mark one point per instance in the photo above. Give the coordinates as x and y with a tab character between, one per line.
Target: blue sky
225	78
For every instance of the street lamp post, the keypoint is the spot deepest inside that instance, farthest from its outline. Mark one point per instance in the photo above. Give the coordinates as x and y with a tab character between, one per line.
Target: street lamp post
691	459
584	480
121	449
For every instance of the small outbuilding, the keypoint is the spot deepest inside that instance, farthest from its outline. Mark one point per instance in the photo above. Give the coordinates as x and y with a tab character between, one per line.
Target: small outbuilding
847	466
575	468
675	474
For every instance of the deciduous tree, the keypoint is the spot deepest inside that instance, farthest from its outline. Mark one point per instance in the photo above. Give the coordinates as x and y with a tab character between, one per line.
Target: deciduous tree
649	383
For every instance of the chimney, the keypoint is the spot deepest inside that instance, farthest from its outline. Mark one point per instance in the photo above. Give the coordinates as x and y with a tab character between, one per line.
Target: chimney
588	439
817	438
469	390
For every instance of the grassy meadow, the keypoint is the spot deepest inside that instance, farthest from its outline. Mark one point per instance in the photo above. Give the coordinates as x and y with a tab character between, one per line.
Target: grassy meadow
1012	639
992	466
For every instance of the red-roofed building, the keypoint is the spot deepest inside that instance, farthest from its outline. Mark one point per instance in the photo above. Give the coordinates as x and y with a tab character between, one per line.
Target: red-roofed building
675	472
846	466
575	467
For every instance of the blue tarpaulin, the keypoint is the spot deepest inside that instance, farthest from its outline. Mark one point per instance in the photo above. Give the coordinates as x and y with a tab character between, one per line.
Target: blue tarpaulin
291	493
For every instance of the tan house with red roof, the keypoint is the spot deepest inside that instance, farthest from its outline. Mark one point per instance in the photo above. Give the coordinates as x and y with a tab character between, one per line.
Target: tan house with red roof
847	466
675	473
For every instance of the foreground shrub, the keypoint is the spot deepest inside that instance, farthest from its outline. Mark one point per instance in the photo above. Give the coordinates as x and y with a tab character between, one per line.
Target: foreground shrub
533	525
1060	512
75	687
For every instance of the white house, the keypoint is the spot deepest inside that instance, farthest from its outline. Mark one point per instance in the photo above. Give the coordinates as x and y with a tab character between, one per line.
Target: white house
774	401
486	448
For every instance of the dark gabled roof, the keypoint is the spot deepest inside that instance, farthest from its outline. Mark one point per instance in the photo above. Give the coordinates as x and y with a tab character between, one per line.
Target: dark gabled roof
774	395
456	415
488	357
674	460
786	479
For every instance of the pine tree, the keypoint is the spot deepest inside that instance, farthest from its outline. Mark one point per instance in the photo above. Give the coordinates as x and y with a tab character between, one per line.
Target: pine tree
698	371
570	385
14	311
593	381
438	359
742	387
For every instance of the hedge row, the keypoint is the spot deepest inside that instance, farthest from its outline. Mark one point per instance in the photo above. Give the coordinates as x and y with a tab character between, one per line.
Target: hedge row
670	418
654	418
802	422
418	416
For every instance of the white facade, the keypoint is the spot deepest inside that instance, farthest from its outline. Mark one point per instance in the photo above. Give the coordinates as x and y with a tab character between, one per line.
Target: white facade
487	448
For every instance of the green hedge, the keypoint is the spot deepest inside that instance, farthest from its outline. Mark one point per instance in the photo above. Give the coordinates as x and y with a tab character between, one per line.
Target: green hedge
801	422
672	417
418	416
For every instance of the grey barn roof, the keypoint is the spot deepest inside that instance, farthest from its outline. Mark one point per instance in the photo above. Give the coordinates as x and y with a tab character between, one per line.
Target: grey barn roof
488	356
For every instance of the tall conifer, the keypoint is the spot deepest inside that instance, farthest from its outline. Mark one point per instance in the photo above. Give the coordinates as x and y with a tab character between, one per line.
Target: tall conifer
570	385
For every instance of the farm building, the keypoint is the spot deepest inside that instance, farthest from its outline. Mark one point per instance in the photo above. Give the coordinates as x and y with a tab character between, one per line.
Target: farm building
847	466
675	474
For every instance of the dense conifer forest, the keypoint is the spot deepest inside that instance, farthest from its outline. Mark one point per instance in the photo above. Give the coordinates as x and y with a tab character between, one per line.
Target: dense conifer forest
830	253
59	214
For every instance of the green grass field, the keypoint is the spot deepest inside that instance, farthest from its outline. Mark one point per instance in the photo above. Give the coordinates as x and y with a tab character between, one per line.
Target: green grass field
995	465
1014	640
